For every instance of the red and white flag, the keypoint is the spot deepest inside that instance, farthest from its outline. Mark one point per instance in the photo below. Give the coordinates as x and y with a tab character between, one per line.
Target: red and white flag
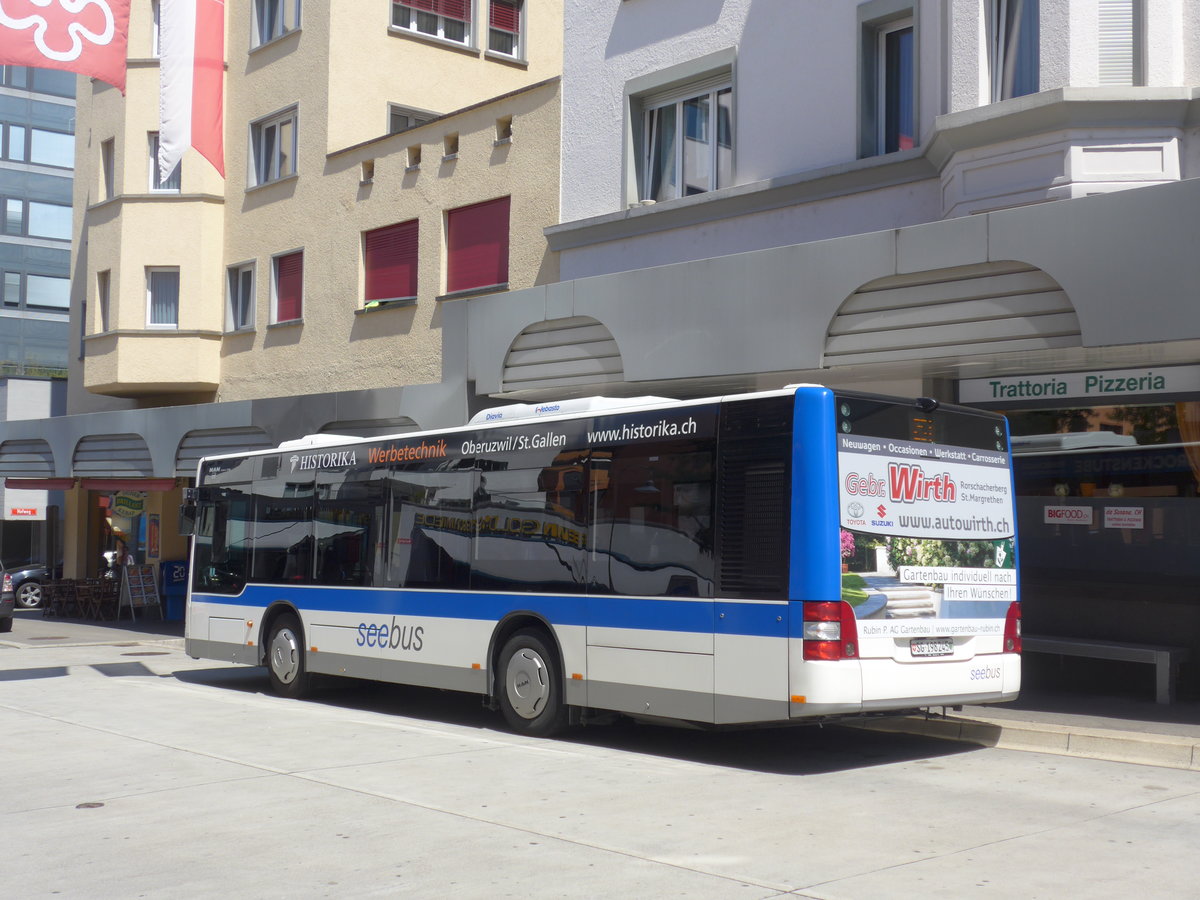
87	37
191	71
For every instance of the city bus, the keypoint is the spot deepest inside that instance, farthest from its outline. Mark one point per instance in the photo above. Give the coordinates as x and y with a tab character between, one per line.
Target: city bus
673	561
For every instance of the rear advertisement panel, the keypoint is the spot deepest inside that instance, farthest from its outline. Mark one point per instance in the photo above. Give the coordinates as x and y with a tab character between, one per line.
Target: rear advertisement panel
926	506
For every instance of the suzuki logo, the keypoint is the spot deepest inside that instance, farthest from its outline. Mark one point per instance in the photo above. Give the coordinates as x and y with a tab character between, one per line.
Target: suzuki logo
882	510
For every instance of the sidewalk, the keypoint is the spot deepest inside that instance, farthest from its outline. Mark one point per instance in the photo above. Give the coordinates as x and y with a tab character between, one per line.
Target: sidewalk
1095	725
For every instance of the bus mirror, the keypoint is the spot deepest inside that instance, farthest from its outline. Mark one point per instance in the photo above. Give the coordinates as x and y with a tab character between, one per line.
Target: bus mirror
187	519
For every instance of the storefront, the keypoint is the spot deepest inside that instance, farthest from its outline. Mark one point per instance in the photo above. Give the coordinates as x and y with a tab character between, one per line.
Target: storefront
1108	500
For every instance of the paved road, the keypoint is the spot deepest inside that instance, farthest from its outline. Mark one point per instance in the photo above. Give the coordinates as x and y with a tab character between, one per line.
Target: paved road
130	770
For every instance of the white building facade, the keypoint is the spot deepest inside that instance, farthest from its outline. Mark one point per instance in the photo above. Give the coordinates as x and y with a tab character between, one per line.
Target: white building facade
990	201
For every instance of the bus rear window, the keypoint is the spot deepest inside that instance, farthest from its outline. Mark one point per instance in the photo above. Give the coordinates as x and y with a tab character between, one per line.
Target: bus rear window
950	425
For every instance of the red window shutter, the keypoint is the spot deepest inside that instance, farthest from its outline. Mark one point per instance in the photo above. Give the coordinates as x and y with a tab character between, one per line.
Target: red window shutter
289	287
477	245
390	256
506	16
451	9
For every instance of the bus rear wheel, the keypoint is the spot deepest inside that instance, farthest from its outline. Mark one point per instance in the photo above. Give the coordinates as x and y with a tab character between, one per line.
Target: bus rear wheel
285	658
531	689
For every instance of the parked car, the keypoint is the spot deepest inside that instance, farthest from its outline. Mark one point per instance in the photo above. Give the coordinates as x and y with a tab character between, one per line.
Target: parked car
7	601
27	584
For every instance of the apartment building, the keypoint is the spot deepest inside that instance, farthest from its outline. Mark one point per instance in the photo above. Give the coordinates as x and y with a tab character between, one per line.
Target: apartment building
385	161
989	201
37	159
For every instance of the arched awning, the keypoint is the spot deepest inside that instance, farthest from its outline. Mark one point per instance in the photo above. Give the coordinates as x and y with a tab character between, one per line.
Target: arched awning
988	308
214	442
27	458
573	351
109	455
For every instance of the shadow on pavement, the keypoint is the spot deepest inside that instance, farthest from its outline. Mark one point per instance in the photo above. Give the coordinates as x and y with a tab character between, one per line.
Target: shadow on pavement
794	750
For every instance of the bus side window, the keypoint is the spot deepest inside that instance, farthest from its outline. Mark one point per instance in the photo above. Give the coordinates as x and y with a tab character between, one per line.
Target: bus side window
222	551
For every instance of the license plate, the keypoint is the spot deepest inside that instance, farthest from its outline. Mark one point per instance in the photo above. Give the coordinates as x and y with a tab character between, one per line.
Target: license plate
931	646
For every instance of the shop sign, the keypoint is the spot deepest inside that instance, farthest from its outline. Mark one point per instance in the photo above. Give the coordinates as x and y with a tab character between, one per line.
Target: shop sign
129	503
24	512
1100	384
1124	516
1067	515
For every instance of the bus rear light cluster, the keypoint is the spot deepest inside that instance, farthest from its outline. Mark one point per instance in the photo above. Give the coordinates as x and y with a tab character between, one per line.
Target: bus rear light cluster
1012	628
830	631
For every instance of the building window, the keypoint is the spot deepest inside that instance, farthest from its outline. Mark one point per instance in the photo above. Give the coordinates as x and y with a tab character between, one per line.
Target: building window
273	19
273	148
505	18
688	144
156	33
51	148
103	289
108	171
239	306
14	147
48	292
14	216
477	246
887	77
1013	55
12	288
157	184
390	262
896	85
287	287
49	220
401	118
162	297
1121	35
449	20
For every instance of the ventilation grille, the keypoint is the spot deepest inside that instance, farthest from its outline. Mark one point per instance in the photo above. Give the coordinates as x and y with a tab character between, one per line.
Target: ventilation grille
995	307
26	459
562	352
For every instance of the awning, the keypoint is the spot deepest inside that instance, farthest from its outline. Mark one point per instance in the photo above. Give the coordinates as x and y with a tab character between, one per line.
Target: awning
39	484
128	484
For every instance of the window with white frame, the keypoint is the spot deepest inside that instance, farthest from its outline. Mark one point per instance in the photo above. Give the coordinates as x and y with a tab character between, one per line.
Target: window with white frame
895	88
1014	59
1120	42
156	34
108	170
449	20
273	19
239	298
157	184
162	297
687	143
103	292
402	118
273	148
287	287
888	53
506	20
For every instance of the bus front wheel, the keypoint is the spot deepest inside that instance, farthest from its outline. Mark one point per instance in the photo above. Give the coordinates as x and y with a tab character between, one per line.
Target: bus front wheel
531	685
285	658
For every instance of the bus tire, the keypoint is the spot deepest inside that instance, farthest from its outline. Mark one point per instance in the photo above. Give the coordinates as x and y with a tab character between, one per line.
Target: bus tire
530	685
285	658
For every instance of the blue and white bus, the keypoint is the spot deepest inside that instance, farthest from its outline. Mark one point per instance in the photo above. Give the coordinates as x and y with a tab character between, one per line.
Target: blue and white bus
668	560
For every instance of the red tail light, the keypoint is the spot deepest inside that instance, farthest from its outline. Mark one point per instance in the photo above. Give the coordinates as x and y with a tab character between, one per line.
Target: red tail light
1012	628
830	631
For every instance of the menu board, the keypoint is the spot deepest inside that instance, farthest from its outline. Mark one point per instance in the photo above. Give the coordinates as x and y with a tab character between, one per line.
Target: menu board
139	589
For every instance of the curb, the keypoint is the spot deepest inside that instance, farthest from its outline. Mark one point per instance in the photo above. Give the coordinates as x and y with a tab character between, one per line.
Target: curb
1162	750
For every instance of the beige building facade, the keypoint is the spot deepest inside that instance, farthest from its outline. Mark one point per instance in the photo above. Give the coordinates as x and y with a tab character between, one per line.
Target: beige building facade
383	166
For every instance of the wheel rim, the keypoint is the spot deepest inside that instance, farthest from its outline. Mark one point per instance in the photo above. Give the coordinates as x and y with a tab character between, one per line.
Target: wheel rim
29	595
527	683
285	655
